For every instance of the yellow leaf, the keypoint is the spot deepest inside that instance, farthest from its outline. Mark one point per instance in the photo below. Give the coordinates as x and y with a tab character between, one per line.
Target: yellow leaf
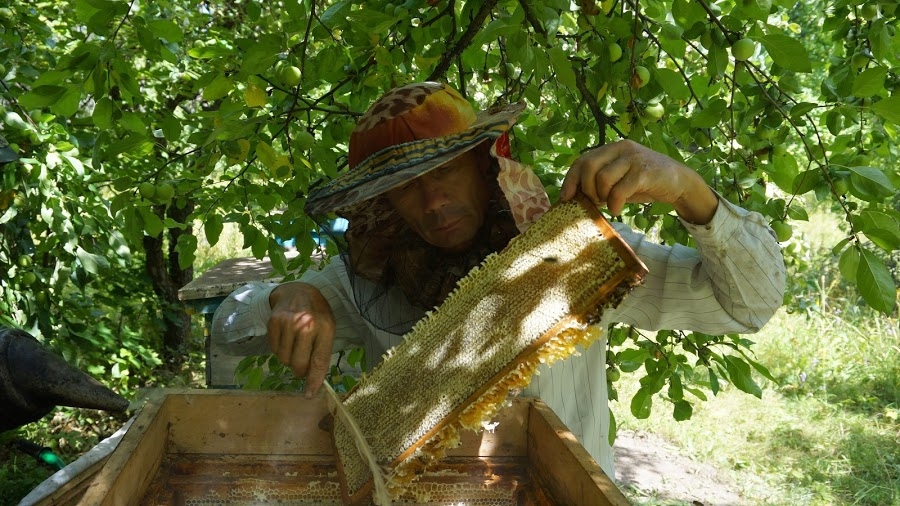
266	154
254	96
602	91
282	167
244	144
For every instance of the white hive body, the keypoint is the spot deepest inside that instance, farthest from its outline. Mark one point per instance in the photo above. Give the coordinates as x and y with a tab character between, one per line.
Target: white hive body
528	304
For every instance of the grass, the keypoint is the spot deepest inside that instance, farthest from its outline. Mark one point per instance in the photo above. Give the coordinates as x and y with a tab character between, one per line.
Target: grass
828	432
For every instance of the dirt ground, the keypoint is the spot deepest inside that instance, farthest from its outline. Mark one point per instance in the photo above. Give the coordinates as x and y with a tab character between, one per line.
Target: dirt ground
647	467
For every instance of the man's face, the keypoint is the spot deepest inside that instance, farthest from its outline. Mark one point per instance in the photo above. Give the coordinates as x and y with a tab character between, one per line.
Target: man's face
446	206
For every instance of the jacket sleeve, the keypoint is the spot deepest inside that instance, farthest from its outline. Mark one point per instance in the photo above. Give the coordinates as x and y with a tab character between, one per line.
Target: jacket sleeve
733	282
240	322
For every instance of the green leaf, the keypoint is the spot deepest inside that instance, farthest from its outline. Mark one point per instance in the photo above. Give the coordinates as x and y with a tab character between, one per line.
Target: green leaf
807	181
67	104
260	246
875	283
880	227
802	108
739	375
562	67
42	96
218	88
676	391
673	84
613	429
760	368
212	227
711	115
873	177
166	29
754	9
713	382
683	411
90	262
103	111
153	225
784	171
186	248
261	55
849	263
787	52
888	108
209	52
642	403
869	82
687	12
696	392
631	360
356	356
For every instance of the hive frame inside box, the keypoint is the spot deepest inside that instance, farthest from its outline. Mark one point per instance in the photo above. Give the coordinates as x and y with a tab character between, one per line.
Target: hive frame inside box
235	428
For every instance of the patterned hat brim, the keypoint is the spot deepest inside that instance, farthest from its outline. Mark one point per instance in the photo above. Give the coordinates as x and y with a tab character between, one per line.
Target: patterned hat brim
396	165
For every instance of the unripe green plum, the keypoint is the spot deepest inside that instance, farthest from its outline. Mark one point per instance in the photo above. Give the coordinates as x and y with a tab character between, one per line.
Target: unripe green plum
147	190
165	192
859	60
654	111
783	231
840	186
743	49
613	374
615	51
289	76
641	77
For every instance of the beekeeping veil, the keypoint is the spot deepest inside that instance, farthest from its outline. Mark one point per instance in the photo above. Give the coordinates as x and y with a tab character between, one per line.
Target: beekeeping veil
408	132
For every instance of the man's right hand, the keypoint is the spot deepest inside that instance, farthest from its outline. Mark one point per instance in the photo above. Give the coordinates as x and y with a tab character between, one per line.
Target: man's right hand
301	332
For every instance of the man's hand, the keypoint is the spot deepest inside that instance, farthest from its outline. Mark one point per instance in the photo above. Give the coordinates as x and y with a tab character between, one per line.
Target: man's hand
301	332
627	172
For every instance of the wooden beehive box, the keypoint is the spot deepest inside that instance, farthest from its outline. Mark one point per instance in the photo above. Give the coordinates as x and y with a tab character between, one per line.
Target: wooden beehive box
229	447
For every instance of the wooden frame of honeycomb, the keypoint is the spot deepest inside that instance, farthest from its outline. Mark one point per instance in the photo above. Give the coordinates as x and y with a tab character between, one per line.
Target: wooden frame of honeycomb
531	303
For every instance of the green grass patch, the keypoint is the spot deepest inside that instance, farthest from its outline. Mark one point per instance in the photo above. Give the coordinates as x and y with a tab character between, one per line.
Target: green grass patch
828	433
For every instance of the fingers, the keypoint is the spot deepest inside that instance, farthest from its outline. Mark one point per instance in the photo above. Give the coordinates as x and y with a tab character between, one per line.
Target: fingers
584	169
598	173
320	363
301	332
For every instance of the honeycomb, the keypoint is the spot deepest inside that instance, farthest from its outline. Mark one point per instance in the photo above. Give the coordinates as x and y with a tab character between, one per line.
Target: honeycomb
526	305
250	492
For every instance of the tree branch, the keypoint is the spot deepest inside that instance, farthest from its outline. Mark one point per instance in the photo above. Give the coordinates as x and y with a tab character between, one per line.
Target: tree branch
464	40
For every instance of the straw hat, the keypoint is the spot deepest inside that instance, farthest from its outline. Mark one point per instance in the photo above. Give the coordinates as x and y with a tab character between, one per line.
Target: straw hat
409	131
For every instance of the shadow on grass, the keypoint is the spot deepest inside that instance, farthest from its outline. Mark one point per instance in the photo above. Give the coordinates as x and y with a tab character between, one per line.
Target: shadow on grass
863	468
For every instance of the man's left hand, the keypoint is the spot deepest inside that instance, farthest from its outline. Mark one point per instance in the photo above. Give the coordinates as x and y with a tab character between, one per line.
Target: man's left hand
627	172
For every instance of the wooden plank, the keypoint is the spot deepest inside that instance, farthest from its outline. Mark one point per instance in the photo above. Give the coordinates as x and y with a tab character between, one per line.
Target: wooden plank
73	490
231	273
569	473
508	439
247	422
225	277
134	462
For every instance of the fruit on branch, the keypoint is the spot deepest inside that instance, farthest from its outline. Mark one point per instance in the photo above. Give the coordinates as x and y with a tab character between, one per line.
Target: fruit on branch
165	192
147	190
743	49
654	111
615	51
783	231
641	77
289	75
